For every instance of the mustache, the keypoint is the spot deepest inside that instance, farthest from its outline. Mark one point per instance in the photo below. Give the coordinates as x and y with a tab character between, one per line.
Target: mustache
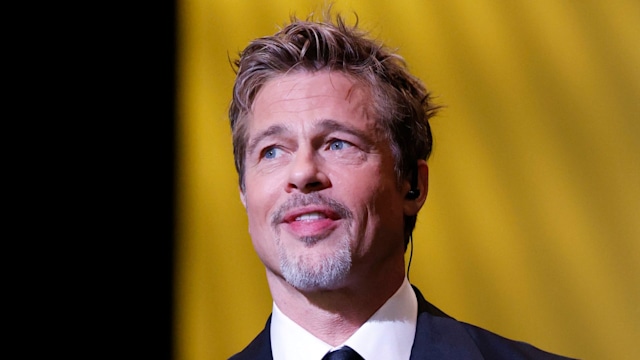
300	200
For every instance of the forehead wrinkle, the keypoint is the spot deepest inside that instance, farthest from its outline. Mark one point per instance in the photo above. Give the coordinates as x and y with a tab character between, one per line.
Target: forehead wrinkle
360	92
357	86
350	93
354	88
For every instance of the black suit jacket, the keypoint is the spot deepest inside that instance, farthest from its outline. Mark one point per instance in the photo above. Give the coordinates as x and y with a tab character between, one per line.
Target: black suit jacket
438	336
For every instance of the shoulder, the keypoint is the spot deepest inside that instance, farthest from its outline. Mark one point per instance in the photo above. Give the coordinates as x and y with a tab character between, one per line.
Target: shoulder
440	336
259	348
494	346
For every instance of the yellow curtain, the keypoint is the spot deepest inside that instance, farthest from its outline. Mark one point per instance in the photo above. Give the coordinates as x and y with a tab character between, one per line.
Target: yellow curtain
532	224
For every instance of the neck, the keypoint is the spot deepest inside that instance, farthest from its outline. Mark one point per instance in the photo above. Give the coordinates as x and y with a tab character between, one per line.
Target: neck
334	315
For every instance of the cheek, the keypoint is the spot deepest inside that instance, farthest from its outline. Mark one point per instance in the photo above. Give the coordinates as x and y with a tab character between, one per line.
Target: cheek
261	198
386	208
257	214
260	231
259	194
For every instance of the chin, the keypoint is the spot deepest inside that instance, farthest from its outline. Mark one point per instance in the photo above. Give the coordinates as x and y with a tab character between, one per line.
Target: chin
326	274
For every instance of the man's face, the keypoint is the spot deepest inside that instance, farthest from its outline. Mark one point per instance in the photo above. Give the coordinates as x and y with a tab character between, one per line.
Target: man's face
321	195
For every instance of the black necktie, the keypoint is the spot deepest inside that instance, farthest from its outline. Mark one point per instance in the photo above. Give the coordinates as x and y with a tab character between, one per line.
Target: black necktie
344	353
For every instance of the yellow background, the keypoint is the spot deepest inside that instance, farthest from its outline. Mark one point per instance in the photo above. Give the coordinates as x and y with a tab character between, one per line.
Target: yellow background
532	224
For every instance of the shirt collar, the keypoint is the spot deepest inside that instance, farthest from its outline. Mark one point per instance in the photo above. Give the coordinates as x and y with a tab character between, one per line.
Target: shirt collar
388	334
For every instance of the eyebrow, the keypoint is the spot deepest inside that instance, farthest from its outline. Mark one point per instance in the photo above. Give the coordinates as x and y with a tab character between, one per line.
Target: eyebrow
270	131
329	125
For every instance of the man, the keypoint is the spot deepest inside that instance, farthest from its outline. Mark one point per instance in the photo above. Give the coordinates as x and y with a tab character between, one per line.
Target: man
331	136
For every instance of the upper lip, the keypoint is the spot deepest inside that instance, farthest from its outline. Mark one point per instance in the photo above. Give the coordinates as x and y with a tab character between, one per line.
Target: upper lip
293	214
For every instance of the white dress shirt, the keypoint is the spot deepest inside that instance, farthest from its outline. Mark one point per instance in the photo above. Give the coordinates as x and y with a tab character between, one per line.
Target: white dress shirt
388	334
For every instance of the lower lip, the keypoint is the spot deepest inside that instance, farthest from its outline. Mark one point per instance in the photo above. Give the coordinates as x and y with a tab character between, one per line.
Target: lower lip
311	227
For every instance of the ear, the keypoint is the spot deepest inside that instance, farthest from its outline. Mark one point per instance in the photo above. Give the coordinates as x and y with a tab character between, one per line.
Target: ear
412	206
243	198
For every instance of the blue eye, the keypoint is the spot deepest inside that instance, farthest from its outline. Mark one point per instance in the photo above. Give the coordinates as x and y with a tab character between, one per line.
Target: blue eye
338	145
271	153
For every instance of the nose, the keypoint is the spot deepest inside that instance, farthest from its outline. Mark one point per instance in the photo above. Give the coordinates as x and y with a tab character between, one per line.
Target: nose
306	173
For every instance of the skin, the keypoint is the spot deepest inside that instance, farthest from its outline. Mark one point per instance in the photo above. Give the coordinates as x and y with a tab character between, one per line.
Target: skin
312	133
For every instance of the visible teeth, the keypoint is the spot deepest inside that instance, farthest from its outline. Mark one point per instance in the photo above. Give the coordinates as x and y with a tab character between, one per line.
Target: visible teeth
310	216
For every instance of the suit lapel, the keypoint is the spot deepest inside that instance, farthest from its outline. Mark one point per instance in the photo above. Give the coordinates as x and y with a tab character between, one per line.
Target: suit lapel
438	336
259	348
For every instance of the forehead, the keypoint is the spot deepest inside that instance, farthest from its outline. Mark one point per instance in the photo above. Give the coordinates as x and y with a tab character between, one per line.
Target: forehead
311	96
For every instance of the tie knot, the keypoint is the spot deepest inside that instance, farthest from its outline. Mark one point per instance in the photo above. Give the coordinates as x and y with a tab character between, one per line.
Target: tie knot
344	353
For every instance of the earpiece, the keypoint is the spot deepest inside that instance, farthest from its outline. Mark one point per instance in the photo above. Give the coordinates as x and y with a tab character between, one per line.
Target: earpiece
413	194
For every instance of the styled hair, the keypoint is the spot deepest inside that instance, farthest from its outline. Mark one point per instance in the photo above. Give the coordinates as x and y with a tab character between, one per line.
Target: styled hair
401	103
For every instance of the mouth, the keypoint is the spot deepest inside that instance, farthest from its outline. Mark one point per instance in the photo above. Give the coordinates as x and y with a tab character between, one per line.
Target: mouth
311	216
311	221
307	215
